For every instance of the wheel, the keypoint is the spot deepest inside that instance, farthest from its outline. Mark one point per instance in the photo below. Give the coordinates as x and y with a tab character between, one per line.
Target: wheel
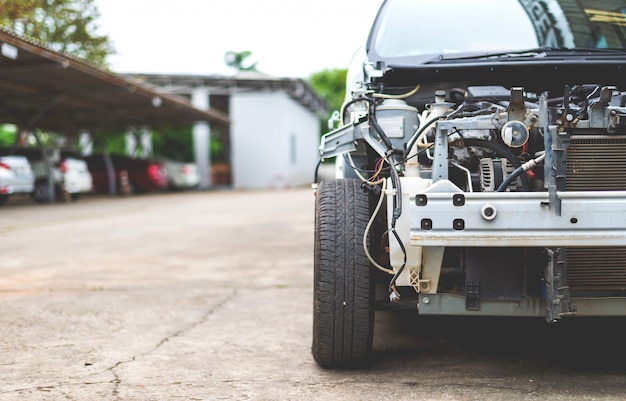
3	199
343	298
41	192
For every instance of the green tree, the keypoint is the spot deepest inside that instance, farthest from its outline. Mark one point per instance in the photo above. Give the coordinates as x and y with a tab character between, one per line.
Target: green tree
330	85
67	26
236	61
7	135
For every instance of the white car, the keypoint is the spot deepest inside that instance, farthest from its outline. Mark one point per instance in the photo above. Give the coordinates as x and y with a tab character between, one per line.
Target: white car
181	175
69	172
76	178
16	176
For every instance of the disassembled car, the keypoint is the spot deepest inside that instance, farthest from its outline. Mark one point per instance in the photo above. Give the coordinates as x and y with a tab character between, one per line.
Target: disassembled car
481	168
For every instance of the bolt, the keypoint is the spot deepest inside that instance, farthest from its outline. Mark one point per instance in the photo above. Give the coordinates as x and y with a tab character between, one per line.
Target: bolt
426	300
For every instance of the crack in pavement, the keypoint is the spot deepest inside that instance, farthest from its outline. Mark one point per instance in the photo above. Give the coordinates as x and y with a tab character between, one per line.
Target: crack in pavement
117	381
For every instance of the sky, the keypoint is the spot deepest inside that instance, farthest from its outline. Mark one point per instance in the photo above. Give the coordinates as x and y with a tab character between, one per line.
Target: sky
288	38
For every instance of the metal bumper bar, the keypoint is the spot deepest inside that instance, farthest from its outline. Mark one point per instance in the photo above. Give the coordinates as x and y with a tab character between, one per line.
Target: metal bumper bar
517	219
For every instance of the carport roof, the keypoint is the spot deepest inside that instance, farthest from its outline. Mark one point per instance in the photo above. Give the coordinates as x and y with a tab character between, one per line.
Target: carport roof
41	88
298	89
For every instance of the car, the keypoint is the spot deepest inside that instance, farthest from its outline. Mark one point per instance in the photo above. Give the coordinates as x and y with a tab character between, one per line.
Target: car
69	172
181	175
16	176
76	179
130	174
480	169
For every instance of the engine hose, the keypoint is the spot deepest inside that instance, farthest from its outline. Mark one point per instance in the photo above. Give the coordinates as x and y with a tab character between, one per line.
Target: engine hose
510	179
521	169
502	151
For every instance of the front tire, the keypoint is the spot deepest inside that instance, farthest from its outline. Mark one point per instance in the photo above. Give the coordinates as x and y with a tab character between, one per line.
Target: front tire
343	311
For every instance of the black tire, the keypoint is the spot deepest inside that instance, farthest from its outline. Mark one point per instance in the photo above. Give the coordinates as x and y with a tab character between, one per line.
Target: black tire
3	199
41	193
343	299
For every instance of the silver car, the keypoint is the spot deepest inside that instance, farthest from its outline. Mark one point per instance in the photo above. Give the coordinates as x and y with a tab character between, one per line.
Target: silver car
16	176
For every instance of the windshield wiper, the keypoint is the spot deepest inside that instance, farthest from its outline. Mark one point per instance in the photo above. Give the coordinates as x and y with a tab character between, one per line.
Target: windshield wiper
541	52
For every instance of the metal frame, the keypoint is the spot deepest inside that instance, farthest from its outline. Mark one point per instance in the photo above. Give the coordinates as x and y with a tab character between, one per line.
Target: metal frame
454	305
504	219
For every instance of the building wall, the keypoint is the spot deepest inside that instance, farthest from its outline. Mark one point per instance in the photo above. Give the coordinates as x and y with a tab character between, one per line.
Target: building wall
274	141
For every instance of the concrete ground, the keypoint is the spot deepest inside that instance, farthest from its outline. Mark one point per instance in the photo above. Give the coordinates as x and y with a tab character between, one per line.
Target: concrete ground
208	296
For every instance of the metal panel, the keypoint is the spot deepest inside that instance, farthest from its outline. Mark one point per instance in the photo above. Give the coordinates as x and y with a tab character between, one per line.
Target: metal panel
454	305
518	219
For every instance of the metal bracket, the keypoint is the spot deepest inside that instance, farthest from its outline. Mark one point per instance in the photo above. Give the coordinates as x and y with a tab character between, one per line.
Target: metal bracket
557	291
598	116
557	179
517	107
472	295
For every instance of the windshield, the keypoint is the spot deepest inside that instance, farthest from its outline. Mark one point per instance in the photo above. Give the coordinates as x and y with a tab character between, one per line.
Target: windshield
406	28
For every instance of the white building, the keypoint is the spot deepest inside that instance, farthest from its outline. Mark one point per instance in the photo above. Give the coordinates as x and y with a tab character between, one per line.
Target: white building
273	137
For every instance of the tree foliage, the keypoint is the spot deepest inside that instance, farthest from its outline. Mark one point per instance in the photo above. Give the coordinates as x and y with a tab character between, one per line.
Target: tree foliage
330	85
237	61
67	26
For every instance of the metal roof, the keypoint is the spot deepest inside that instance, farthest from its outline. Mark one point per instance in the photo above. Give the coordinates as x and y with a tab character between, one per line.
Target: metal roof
298	89
41	88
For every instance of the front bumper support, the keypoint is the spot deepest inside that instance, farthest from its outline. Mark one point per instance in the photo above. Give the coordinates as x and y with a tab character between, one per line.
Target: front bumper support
519	219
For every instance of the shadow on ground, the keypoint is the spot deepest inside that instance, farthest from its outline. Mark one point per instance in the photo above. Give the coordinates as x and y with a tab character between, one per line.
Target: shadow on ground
582	344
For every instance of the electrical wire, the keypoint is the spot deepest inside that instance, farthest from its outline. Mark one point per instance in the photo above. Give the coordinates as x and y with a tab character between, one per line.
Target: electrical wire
394	296
369	226
317	170
357	171
420	133
402	96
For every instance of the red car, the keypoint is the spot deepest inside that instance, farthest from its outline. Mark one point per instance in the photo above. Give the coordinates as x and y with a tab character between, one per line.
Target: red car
131	175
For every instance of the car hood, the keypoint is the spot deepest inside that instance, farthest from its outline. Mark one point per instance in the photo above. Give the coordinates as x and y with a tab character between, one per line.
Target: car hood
524	42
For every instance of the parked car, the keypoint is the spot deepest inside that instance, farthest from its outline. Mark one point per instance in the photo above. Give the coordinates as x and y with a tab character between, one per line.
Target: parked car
181	175
70	174
483	169
16	176
130	174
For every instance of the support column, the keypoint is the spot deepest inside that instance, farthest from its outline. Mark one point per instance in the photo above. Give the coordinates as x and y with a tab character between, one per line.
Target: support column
131	143
202	137
145	141
85	144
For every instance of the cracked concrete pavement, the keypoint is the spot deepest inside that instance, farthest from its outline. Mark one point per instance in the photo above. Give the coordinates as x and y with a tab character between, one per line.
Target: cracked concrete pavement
208	296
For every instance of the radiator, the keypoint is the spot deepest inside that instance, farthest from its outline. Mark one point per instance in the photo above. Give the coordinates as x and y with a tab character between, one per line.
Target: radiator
596	163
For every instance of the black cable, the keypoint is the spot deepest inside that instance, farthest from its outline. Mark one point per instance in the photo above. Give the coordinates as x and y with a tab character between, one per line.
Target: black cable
353	167
378	128
397	198
317	169
393	293
421	129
